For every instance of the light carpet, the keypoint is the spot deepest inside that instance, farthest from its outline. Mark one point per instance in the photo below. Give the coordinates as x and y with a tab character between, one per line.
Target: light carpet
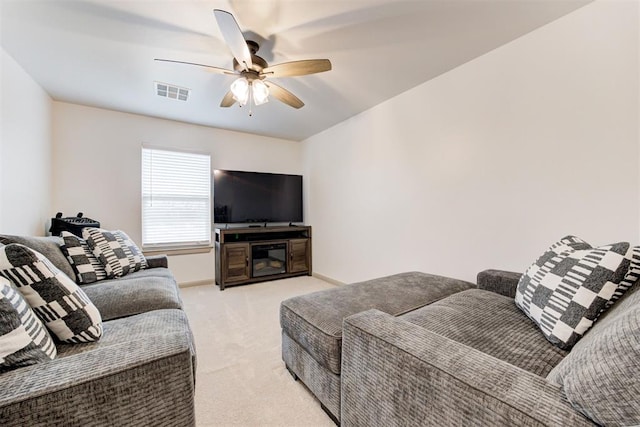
241	379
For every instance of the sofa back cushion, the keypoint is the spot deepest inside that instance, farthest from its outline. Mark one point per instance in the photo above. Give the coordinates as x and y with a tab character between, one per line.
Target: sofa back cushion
600	376
135	293
47	246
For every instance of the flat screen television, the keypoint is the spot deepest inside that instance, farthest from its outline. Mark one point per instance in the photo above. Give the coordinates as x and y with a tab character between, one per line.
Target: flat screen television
245	197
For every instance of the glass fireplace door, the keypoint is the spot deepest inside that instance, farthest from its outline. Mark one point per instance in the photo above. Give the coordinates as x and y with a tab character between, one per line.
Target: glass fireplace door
268	259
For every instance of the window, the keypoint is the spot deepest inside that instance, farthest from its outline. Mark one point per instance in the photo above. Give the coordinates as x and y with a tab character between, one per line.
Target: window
176	198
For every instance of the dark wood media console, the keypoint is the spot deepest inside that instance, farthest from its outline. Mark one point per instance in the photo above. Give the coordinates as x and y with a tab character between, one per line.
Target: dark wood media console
257	254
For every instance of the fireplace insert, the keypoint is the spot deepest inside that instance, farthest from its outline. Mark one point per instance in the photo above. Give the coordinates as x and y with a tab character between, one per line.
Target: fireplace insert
268	259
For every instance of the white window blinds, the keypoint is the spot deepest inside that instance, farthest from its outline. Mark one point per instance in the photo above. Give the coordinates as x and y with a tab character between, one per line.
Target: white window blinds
176	198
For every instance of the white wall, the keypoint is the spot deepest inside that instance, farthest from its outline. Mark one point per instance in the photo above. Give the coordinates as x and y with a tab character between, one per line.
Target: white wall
25	152
486	165
97	166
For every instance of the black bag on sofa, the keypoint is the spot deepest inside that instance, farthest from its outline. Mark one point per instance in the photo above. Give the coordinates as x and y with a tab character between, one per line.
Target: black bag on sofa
71	224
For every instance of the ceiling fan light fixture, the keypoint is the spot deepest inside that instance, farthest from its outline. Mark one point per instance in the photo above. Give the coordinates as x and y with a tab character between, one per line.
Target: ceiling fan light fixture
260	92
240	90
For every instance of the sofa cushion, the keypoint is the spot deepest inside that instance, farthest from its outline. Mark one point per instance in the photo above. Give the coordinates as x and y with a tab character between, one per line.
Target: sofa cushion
492	324
136	328
315	320
140	373
47	246
84	263
139	292
569	286
23	338
600	377
54	297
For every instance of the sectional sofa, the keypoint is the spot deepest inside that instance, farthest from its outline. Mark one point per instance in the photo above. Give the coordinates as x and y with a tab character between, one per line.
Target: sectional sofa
141	372
556	346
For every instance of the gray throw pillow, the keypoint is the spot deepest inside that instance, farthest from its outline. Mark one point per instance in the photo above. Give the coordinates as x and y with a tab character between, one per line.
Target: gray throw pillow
23	338
570	285
600	376
55	298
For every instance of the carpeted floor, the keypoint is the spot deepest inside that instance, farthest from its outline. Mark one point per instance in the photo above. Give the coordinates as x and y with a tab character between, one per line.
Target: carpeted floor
241	379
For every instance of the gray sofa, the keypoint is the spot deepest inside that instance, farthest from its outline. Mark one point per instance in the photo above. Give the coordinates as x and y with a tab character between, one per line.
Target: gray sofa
141	372
474	358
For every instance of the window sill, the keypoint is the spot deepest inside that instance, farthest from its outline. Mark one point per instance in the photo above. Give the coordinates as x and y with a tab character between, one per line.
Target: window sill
177	250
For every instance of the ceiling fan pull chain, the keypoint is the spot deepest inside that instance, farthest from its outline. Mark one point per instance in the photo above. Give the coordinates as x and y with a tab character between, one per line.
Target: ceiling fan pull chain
250	99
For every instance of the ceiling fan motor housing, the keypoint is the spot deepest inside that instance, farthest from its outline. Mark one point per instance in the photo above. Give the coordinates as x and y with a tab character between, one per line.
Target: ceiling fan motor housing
258	63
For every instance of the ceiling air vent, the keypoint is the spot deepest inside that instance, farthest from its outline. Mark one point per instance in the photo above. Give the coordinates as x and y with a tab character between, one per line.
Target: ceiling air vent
170	91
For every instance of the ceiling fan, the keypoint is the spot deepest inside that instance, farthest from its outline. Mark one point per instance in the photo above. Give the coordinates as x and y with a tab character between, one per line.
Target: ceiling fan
252	86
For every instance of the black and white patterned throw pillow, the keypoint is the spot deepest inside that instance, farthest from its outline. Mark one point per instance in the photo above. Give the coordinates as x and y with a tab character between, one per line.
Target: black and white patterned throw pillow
630	279
85	264
55	298
23	338
108	249
572	283
137	261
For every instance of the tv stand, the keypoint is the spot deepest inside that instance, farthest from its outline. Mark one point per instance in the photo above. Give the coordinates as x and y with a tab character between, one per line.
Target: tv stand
256	254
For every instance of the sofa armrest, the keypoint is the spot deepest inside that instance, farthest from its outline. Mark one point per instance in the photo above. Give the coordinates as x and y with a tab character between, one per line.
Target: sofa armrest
398	373
121	384
155	261
499	281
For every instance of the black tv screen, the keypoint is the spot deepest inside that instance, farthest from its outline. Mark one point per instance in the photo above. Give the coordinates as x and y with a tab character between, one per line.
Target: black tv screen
243	197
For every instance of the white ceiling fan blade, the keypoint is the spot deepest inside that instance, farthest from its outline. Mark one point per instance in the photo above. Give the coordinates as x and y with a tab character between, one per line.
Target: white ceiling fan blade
209	68
233	36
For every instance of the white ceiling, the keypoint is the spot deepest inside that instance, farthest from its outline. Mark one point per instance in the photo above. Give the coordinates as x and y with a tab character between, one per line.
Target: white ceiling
100	53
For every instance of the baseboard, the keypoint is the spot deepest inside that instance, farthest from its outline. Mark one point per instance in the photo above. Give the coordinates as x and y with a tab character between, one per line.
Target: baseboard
207	282
196	283
328	279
